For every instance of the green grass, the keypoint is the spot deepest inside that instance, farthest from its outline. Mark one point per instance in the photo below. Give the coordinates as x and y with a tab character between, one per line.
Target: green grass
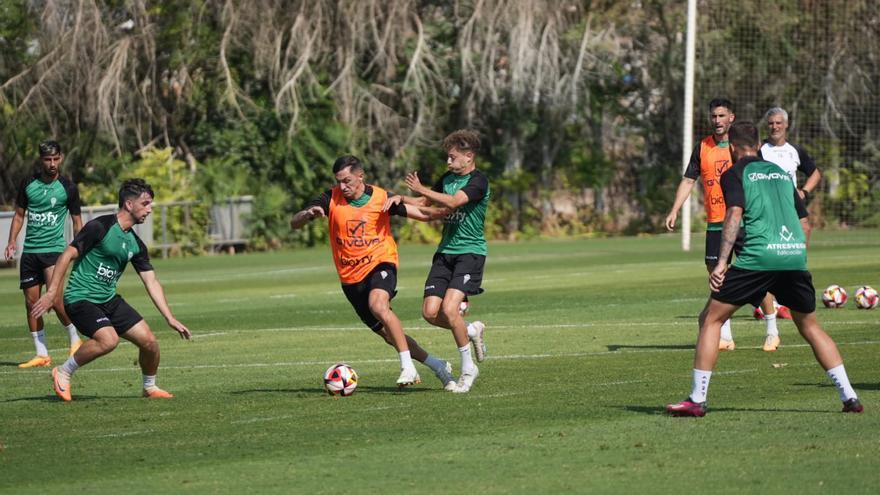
588	340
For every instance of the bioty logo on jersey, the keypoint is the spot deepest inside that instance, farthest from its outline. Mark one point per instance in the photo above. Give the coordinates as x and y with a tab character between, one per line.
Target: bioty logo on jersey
756	176
45	218
107	274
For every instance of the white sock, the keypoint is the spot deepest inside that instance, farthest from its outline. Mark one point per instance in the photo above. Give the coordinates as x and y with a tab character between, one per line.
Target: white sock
71	332
725	331
701	385
69	367
405	360
841	381
40	342
467	362
772	331
434	363
471	331
149	382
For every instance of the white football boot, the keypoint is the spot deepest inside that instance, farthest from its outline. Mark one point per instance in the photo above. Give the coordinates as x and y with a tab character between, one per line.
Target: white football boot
465	381
479	341
408	376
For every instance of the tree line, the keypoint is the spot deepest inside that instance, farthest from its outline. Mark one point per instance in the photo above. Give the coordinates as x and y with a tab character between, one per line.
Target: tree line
579	102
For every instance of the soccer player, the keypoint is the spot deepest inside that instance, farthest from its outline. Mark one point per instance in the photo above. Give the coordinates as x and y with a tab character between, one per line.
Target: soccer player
102	249
789	156
711	158
457	267
763	197
46	197
366	260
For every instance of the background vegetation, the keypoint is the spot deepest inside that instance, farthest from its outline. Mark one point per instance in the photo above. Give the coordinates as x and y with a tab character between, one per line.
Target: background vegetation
579	102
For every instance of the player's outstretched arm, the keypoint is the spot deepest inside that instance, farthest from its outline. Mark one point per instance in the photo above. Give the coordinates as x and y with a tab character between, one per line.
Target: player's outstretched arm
305	216
451	201
14	229
684	190
157	294
55	285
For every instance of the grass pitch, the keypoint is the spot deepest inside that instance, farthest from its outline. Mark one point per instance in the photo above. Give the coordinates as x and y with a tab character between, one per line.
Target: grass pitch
588	339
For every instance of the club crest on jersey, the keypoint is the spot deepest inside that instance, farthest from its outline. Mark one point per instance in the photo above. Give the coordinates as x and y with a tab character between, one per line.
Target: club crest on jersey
53	200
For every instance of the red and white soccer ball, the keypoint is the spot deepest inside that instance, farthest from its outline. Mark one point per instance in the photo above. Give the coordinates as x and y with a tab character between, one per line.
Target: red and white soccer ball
834	296
867	297
340	379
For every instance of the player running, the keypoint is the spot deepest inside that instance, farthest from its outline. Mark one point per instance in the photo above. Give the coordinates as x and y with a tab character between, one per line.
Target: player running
763	197
102	250
46	197
457	266
366	259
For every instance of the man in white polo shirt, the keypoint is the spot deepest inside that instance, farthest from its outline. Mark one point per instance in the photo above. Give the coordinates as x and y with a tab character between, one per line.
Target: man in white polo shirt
790	157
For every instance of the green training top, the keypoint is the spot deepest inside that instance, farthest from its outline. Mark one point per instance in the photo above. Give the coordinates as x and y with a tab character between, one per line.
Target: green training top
463	229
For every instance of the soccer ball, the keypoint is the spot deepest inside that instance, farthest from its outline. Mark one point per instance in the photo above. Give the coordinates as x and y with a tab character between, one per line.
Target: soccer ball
867	297
834	296
340	379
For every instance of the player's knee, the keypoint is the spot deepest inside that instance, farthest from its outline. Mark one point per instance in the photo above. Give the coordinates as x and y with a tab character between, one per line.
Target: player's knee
107	341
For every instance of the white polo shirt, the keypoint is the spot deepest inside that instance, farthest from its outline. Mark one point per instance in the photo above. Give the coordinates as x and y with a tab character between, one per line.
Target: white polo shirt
790	158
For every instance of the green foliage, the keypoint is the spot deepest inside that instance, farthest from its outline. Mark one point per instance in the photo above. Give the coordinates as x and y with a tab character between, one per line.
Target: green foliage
268	224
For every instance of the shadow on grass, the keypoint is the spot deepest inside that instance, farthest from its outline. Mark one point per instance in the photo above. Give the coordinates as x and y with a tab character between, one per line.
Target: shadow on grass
8	363
654	410
318	390
617	347
76	398
857	386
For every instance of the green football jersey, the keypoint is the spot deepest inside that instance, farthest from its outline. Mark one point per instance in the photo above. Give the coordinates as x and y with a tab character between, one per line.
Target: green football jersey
104	251
774	238
463	229
46	205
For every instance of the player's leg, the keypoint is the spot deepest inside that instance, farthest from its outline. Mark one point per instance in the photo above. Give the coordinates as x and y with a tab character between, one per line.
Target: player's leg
713	249
712	318
441	368
72	334
102	341
380	306
796	291
31	282
148	358
768	308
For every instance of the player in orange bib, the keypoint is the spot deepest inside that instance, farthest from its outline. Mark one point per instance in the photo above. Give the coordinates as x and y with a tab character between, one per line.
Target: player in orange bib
710	159
365	256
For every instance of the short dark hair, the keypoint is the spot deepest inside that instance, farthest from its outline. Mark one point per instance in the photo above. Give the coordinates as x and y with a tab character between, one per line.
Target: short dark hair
743	133
721	102
132	189
49	148
463	140
343	162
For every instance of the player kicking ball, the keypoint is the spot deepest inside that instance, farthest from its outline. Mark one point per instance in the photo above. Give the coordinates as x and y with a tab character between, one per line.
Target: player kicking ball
102	250
366	260
762	196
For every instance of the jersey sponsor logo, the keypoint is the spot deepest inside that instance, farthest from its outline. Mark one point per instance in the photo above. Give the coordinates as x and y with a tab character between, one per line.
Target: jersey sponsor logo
756	176
106	273
720	167
357	229
45	218
355	261
456	216
786	247
717	200
785	233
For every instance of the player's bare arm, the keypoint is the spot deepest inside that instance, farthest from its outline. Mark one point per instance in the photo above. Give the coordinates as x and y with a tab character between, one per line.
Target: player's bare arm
452	202
732	219
157	294
684	190
14	230
56	283
305	216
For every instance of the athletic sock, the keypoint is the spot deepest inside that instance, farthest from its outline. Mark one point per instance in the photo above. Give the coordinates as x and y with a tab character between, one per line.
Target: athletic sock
467	362
471	331
772	331
405	360
40	342
701	385
71	332
725	331
150	382
435	364
841	381
69	367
